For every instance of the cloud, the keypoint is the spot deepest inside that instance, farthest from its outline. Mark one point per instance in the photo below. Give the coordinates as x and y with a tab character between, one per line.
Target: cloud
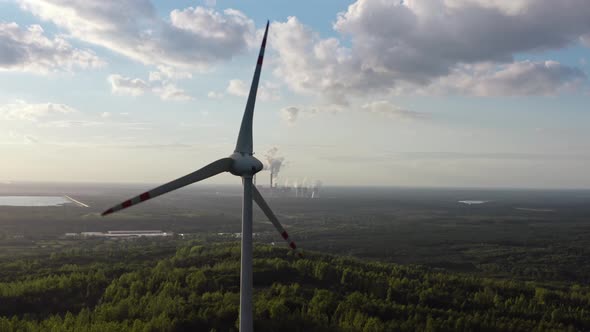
290	114
161	87
585	40
29	50
121	85
266	92
191	38
81	123
214	95
171	92
269	92
22	110
388	157
523	78
447	155
70	124
395	47
54	115
237	88
421	39
389	110
162	82
29	139
309	65
165	73
19	138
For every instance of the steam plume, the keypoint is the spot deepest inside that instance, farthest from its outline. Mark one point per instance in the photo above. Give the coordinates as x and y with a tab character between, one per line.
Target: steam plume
273	162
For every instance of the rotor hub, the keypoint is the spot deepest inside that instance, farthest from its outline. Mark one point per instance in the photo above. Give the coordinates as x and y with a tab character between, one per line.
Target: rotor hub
245	164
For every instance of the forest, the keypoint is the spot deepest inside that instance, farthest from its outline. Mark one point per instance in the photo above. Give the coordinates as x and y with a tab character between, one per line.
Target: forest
193	285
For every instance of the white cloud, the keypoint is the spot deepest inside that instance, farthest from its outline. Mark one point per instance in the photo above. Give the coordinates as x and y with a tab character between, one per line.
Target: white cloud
389	110
402	46
237	88
191	38
269	92
266	92
81	123
165	73
22	110
290	114
121	85
30	139
163	88
171	92
309	65
70	124
507	6
105	115
16	138
29	50
214	95
523	78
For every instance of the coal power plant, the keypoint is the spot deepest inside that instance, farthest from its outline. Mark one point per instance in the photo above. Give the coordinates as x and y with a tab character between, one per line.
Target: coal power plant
296	189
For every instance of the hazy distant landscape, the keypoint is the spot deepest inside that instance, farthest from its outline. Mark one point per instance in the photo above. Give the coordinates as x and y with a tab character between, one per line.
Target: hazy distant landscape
525	234
516	261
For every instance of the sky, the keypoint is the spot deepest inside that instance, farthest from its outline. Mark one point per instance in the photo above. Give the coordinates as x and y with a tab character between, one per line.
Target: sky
418	93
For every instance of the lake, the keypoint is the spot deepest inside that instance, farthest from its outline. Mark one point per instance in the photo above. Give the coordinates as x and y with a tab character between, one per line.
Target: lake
472	202
33	200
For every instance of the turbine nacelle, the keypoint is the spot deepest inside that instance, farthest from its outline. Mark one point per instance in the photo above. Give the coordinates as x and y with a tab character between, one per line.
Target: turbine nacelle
244	164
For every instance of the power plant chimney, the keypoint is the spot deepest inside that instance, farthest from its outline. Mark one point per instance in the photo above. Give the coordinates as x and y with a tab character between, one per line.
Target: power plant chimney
271	176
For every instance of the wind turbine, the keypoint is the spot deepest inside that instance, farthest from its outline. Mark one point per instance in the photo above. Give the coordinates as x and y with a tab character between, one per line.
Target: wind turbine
240	163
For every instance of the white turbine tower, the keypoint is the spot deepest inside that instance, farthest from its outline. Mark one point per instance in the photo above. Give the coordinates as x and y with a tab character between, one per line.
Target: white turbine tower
241	163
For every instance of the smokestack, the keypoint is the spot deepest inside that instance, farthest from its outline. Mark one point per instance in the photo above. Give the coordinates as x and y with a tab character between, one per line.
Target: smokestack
316	188
273	164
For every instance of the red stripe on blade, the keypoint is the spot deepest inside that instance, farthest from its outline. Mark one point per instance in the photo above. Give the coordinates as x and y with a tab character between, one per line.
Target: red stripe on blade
126	204
109	211
292	245
285	235
260	60
144	196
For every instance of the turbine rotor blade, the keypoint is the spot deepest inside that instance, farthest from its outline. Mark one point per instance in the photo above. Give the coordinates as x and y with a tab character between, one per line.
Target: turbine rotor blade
244	144
214	168
273	218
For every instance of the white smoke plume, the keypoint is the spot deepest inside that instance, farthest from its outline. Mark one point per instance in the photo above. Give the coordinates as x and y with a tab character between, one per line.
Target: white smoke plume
273	162
318	184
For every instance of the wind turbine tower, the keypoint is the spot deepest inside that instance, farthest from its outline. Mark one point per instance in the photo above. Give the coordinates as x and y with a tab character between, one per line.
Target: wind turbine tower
240	163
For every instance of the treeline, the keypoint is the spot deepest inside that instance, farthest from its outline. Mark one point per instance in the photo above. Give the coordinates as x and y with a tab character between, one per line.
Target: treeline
197	289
